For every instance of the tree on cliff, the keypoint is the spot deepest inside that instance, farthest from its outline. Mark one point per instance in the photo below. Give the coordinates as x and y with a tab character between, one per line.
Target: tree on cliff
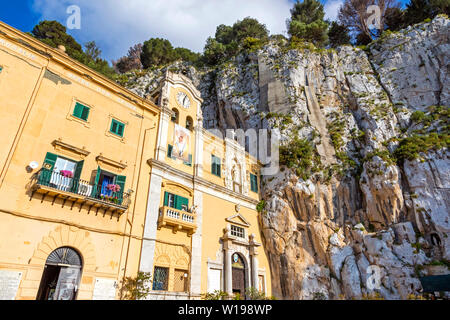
158	52
338	35
54	34
307	22
132	61
229	40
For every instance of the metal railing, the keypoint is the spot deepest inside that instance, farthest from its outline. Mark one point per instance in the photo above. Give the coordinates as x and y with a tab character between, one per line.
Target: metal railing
58	181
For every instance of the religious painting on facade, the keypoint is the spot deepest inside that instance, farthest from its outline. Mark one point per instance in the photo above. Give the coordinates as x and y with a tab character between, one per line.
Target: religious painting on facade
181	143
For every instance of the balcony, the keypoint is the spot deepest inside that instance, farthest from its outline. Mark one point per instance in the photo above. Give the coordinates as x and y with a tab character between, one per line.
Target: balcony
177	219
77	191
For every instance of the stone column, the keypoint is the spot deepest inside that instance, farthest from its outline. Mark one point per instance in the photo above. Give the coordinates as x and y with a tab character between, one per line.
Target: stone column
161	143
198	161
254	262
196	251
151	220
228	276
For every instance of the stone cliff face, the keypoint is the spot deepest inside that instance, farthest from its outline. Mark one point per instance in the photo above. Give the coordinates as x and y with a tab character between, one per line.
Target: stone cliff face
363	223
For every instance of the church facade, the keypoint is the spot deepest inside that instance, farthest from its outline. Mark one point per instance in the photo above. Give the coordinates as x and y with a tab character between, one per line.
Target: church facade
98	184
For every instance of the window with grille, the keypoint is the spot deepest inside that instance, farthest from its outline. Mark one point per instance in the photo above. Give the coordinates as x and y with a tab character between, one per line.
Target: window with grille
237	231
161	279
181	280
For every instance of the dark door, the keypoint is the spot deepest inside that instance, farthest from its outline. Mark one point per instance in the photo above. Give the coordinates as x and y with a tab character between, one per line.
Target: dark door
239	281
49	283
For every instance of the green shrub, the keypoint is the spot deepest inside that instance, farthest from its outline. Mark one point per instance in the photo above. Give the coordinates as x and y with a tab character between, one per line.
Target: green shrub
410	148
298	154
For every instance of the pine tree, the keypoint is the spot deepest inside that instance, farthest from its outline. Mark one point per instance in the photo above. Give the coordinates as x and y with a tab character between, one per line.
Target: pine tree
307	22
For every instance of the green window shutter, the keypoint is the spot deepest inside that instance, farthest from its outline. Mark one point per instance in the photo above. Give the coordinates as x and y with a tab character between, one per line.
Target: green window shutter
120	180
120	130
50	159
81	111
76	176
85	113
169	151
180	201
117	127
97	179
166	199
113	126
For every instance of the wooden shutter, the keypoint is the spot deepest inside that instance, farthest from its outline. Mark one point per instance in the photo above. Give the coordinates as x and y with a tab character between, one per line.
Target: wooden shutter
180	201
169	151
50	160
85	113
78	110
166	199
76	176
120	180
97	179
120	129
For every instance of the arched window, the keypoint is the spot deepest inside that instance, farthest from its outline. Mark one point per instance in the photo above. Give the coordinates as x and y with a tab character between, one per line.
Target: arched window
189	123
175	115
61	276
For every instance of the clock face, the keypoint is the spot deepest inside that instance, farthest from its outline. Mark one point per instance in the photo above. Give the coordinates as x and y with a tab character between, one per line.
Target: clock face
183	100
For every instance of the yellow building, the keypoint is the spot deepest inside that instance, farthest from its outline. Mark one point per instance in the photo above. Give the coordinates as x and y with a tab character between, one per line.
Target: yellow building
97	183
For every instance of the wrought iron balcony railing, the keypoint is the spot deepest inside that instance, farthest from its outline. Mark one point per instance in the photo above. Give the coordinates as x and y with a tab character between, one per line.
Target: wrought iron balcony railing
55	181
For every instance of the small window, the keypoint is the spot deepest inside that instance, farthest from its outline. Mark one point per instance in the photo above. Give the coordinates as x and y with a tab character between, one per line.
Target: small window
189	162
237	231
117	127
189	123
253	182
175	114
215	165
161	279
81	111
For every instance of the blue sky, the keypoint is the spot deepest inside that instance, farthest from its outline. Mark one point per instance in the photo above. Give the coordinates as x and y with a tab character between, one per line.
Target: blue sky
116	24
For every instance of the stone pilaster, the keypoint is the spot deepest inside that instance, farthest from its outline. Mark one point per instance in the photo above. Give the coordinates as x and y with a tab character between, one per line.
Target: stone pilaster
196	256
198	161
227	262
151	220
254	262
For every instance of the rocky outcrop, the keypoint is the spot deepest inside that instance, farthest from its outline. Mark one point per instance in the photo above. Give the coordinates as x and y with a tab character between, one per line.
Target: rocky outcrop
364	223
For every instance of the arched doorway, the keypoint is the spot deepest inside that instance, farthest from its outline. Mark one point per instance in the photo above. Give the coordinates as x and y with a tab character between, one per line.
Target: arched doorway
61	275
238	274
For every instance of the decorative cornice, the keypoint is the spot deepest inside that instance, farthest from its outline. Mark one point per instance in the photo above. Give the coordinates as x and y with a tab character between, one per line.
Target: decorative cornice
111	162
200	181
59	144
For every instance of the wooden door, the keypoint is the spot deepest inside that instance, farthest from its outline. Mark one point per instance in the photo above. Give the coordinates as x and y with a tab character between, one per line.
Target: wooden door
239	281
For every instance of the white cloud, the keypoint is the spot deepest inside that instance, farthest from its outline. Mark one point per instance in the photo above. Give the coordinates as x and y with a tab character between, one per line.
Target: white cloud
118	24
331	9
